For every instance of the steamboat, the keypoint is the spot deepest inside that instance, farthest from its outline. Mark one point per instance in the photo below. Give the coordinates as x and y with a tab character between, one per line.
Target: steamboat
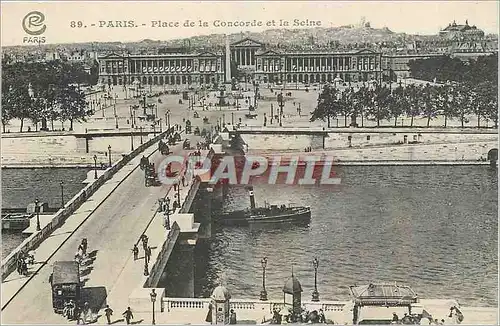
269	214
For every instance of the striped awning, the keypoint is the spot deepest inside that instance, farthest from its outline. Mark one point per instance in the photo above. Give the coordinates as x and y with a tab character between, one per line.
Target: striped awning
144	69
214	68
184	68
178	68
155	69
202	68
161	69
189	69
150	69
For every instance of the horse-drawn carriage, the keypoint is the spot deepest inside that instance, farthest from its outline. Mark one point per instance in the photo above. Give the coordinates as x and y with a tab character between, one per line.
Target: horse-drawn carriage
163	147
151	177
188	127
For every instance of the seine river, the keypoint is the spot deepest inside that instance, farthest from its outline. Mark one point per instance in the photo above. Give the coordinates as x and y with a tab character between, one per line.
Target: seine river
434	228
21	186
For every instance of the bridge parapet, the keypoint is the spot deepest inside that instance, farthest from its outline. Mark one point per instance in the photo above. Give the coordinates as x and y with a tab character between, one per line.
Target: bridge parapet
32	242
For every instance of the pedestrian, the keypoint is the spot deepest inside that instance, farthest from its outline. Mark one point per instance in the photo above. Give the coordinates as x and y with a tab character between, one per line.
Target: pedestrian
183	180
147	254
135	250
208	319
232	317
24	268
128	315
109	312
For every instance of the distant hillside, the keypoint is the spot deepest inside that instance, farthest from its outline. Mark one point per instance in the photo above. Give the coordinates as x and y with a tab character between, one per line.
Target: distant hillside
333	37
276	37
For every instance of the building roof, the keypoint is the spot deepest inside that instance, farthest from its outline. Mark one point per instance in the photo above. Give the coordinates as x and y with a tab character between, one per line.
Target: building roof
65	272
247	42
221	294
383	294
292	286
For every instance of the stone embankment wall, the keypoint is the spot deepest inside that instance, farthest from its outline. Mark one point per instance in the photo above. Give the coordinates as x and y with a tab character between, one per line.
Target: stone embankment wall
390	145
63	149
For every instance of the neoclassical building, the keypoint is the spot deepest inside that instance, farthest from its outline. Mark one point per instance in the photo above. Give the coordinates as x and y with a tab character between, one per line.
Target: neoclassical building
318	67
161	69
263	65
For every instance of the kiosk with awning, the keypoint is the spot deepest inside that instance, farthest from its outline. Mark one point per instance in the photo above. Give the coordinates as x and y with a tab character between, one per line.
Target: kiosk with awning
381	295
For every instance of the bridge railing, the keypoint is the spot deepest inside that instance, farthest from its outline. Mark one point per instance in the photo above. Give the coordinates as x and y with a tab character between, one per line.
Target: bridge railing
32	242
173	304
157	268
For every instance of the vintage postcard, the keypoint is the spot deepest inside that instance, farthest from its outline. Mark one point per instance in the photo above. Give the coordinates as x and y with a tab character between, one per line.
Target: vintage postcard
249	162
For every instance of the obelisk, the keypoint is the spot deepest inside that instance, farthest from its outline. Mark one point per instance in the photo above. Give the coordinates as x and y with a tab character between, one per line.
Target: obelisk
228	61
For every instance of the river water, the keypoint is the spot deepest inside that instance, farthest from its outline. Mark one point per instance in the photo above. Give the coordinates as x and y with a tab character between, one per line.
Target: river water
431	227
21	186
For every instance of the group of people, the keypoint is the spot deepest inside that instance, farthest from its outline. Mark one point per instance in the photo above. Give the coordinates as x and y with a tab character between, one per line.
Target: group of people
83	315
22	262
412	319
288	316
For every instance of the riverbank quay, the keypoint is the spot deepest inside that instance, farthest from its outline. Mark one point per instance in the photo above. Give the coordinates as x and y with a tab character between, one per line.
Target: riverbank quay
64	223
380	146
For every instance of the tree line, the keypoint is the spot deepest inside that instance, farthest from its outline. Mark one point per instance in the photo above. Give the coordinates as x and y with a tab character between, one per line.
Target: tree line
45	91
380	103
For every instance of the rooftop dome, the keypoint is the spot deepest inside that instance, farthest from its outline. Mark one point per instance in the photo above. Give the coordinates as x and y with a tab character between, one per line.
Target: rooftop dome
221	294
292	285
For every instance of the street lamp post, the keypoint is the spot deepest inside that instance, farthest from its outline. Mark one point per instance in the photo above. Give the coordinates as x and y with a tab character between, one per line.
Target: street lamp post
37	210
315	294
280	102
160	126
116	121
132	141
109	154
179	193
263	293
95	166
62	193
153	300
140	130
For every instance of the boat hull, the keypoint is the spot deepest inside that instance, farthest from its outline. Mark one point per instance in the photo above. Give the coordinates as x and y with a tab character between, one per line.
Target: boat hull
294	215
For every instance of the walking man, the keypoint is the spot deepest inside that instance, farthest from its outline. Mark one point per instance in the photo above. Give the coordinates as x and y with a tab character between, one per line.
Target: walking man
147	254
128	315
183	180
109	312
135	250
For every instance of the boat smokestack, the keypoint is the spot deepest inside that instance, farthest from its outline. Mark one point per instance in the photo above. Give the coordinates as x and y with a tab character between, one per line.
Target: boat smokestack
252	197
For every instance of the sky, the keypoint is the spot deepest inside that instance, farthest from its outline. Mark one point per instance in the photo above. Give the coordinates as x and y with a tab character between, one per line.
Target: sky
95	21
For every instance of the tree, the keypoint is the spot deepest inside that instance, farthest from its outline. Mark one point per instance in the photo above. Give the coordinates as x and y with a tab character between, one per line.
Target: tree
414	102
72	105
19	103
430	98
397	104
327	105
462	103
379	108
